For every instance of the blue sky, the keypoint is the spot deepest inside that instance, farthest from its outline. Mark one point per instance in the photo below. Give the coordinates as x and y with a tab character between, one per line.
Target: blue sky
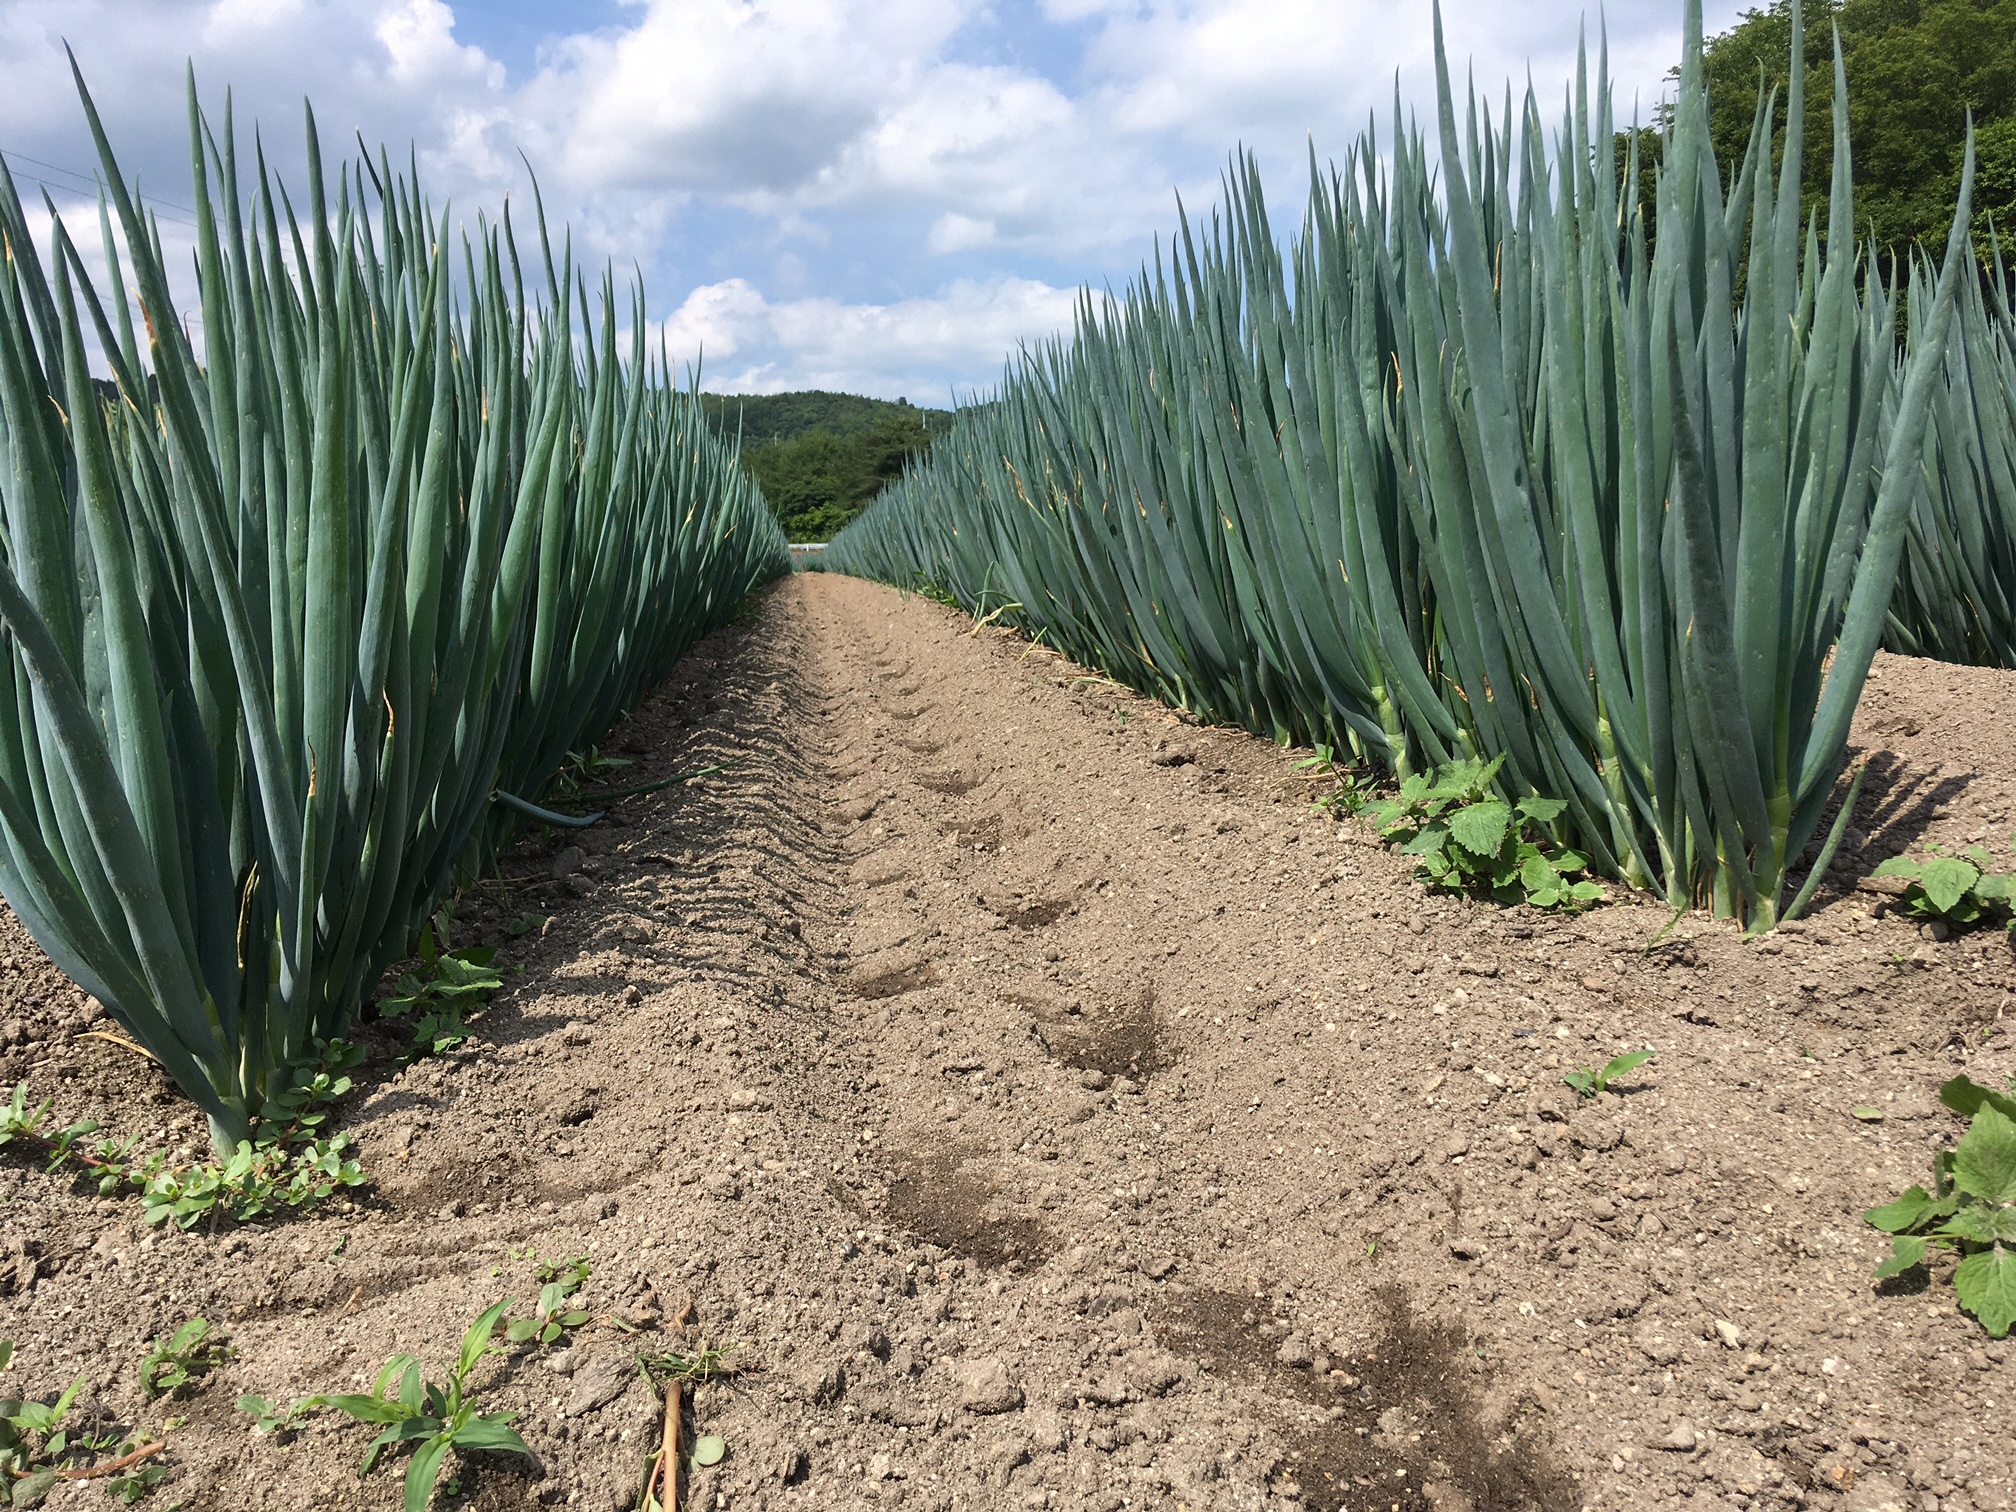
883	197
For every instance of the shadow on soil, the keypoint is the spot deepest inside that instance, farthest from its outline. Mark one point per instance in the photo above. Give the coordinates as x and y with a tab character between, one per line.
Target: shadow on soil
1119	1040
1415	1426
936	1199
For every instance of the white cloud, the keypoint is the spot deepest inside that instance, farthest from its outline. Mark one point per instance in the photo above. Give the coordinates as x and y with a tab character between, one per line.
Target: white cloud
740	97
953	232
694	138
921	348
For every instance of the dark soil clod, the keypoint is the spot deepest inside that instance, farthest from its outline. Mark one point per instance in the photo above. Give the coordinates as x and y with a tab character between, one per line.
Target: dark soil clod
935	1198
888	984
1126	1040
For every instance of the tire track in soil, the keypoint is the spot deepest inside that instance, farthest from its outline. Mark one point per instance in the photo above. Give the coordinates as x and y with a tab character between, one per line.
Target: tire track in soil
1061	1116
1024	1118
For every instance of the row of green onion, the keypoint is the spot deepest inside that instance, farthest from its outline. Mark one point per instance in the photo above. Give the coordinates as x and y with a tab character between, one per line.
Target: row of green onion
1477	466
294	588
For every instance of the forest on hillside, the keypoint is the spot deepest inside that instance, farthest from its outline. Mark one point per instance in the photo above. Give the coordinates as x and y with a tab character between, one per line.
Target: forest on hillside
819	456
1916	71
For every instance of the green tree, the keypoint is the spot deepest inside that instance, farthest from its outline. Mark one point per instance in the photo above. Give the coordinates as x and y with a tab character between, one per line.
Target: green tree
818	481
1915	69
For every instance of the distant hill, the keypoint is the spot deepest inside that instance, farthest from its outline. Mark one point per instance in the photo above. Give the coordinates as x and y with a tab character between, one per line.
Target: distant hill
821	457
781	417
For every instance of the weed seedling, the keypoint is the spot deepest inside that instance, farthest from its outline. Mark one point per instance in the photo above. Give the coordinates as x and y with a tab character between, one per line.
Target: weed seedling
1470	840
172	1359
1971	1208
449	984
582	771
136	1484
433	1418
1353	791
271	1417
1590	1083
551	1314
1959	893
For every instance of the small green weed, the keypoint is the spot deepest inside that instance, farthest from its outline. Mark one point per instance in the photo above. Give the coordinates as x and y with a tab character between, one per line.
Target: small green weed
928	588
1470	840
1958	891
137	1484
433	1418
38	1444
551	1315
524	924
1590	1083
271	1417
582	772
284	1165
1354	791
1971	1208
173	1358
448	985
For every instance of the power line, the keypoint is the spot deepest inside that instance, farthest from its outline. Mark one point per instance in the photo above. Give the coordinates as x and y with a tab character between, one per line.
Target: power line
158	204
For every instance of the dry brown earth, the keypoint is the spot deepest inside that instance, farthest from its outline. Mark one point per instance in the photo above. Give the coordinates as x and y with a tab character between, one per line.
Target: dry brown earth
1056	1113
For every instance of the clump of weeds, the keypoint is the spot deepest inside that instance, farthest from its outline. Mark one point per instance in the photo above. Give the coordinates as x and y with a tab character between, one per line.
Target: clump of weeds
1970	1211
41	1446
447	985
1468	839
287	1163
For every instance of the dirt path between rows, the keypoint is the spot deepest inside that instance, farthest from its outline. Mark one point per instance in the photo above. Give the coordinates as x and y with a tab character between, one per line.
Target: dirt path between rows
1056	1113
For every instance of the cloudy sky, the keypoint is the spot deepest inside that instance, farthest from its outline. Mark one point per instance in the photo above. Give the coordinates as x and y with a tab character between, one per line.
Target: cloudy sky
882	196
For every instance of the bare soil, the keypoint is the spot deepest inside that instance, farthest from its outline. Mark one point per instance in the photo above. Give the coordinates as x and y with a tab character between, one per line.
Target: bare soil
1055	1112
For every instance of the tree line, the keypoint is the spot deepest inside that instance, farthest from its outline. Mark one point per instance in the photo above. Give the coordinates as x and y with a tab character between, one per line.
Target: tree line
819	456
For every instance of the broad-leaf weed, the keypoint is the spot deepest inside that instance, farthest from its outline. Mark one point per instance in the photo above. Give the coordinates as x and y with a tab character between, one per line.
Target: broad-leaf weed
551	1315
1590	1083
1958	891
1469	839
173	1358
1971	1208
449	984
271	1417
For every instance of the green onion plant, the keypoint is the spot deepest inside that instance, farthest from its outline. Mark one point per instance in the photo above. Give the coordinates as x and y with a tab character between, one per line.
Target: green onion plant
1956	594
1477	467
291	587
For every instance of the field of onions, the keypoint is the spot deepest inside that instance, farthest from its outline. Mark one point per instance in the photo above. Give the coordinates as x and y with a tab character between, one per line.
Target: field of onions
1480	468
307	604
999	1089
